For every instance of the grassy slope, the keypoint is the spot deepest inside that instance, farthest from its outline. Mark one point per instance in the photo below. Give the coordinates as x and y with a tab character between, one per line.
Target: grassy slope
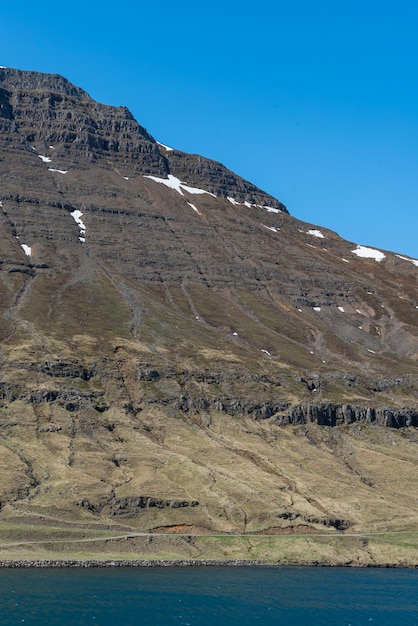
29	543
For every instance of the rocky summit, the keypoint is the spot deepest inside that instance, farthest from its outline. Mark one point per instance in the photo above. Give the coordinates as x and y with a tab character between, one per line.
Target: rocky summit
180	354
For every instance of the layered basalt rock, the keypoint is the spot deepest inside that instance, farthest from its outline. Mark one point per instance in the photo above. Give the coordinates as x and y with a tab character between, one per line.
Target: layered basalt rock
43	110
337	415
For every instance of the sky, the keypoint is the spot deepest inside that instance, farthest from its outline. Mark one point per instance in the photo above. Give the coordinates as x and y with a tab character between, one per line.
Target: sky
316	102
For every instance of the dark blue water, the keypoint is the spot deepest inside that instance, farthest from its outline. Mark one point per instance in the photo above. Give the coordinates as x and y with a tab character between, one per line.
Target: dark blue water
210	596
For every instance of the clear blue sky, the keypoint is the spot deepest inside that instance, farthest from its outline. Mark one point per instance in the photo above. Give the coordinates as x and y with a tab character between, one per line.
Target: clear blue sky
314	101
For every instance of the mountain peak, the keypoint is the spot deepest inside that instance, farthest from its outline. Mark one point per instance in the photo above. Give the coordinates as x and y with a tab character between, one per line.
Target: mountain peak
47	109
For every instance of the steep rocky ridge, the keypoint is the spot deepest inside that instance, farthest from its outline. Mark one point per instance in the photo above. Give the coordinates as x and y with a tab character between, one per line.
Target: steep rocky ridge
176	349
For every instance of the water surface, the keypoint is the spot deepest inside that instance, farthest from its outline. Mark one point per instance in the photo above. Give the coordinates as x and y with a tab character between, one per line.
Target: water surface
209	596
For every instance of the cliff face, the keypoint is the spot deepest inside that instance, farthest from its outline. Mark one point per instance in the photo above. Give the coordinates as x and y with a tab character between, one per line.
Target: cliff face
39	110
176	349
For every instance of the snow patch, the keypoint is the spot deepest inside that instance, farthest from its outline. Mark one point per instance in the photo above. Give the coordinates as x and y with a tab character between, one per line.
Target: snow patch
414	261
317	308
26	249
266	352
315	233
59	171
76	215
175	183
44	158
235	334
250	206
126	177
369	253
359	312
345	260
341	308
194	208
372	351
164	146
272	228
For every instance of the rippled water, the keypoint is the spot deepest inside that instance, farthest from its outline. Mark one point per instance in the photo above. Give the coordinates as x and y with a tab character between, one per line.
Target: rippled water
210	596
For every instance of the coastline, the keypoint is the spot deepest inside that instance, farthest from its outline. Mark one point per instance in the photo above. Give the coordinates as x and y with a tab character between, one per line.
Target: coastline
148	563
33	546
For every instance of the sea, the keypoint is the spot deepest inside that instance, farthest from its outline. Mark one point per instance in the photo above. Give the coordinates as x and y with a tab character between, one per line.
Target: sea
210	596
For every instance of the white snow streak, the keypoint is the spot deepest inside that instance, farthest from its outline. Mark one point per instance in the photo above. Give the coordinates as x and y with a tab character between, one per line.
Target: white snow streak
76	215
164	146
404	258
59	171
175	183
266	352
26	249
315	233
341	308
250	206
44	158
196	190
272	228
194	208
317	308
369	253
345	260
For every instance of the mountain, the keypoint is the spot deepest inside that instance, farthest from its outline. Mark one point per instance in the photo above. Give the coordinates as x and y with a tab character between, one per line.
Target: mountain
178	352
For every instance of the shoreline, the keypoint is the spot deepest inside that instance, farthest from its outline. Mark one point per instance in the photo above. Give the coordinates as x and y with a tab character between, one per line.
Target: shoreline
148	563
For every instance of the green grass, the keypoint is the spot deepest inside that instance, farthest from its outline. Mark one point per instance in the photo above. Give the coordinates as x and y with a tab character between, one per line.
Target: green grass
394	549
